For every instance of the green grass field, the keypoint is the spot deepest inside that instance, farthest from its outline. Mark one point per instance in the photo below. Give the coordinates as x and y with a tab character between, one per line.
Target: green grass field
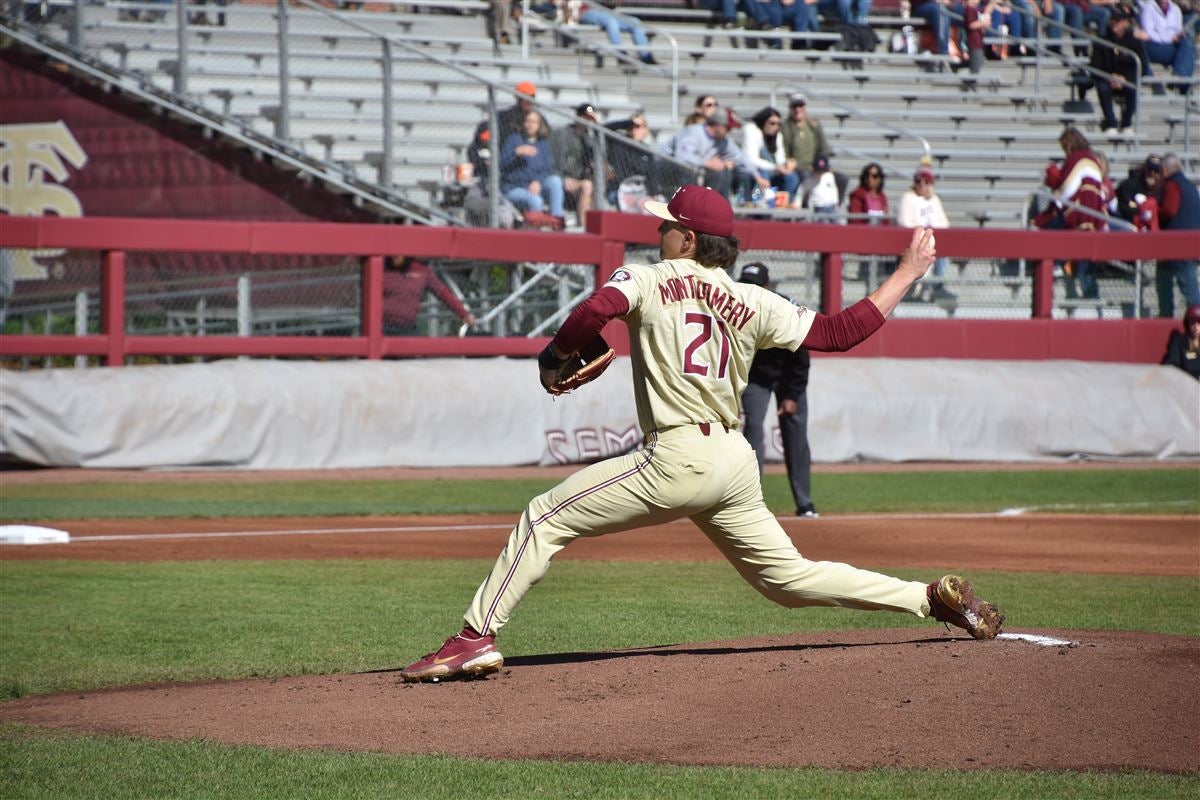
72	625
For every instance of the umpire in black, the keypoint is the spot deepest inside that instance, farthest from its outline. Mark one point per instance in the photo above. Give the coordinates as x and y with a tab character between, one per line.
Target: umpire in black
785	374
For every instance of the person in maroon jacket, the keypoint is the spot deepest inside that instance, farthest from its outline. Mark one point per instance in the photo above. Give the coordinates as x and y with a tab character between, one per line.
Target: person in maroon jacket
868	203
404	285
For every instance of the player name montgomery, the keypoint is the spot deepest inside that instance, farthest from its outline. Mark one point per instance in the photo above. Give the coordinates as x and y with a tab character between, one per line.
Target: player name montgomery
735	312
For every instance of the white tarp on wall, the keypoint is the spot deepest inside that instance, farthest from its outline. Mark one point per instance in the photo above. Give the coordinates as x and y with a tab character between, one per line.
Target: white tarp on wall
456	412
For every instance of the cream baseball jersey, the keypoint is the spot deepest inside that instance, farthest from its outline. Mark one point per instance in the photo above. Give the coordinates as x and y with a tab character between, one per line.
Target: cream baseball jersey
694	331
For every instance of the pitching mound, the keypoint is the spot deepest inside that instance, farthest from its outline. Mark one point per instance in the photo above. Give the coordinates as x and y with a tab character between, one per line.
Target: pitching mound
902	698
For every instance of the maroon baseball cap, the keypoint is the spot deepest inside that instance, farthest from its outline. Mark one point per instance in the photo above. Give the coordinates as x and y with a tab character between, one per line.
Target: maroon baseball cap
697	207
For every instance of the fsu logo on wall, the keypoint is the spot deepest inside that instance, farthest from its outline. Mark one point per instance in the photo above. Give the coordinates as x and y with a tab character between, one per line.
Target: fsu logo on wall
33	167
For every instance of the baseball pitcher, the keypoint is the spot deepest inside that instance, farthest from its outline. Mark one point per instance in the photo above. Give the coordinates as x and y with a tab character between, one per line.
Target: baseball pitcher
693	333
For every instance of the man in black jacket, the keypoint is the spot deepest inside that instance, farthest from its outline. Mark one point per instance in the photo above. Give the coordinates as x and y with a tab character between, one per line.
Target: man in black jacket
1122	68
784	374
1139	194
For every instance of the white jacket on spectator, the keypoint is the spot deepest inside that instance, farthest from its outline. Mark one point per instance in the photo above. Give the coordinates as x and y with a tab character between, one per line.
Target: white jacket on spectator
752	145
921	212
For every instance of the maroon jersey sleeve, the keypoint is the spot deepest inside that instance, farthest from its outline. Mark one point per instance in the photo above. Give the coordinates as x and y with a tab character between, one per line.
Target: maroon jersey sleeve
589	317
839	332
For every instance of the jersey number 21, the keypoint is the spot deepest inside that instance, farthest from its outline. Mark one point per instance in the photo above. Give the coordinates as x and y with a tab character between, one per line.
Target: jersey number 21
707	324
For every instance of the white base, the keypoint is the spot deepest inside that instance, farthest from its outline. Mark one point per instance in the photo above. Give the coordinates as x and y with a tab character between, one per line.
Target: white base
1045	641
32	534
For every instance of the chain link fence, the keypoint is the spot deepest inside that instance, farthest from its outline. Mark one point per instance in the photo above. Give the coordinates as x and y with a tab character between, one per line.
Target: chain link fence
188	294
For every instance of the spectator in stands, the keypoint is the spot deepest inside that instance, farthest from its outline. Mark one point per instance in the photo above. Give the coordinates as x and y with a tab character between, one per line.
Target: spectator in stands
1190	13
726	11
508	121
800	15
1094	13
143	14
202	17
405	281
501	21
1179	211
1006	21
513	118
706	144
626	160
1034	11
803	141
763	145
934	14
8	282
765	15
1138	196
527	176
803	16
574	159
868	203
612	22
1122	68
869	206
633	174
854	12
1078	183
705	105
1166	43
1079	203
821	194
920	207
976	20
1183	347
1108	191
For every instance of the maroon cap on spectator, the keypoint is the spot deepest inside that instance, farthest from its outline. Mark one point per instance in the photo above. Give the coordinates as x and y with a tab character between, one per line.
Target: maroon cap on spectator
697	207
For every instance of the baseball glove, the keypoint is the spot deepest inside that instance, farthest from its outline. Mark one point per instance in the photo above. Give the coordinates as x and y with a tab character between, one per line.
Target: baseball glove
565	375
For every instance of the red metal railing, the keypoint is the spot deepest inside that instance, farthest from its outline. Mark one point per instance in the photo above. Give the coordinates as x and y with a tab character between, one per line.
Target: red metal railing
1131	340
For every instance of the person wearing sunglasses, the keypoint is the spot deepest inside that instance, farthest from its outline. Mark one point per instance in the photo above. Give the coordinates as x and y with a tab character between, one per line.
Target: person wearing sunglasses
868	203
763	145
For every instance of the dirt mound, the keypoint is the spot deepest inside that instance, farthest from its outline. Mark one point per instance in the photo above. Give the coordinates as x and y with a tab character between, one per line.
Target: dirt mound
850	700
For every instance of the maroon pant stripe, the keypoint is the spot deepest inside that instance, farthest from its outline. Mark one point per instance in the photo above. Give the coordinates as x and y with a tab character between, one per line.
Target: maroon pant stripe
487	622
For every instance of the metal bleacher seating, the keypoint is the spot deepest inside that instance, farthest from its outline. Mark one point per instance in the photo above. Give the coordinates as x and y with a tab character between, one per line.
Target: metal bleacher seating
990	135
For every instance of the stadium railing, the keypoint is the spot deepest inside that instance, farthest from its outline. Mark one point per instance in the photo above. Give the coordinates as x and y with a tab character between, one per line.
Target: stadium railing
611	240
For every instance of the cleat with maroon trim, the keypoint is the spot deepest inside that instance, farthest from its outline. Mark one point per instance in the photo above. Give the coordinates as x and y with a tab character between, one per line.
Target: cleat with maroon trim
952	600
466	654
